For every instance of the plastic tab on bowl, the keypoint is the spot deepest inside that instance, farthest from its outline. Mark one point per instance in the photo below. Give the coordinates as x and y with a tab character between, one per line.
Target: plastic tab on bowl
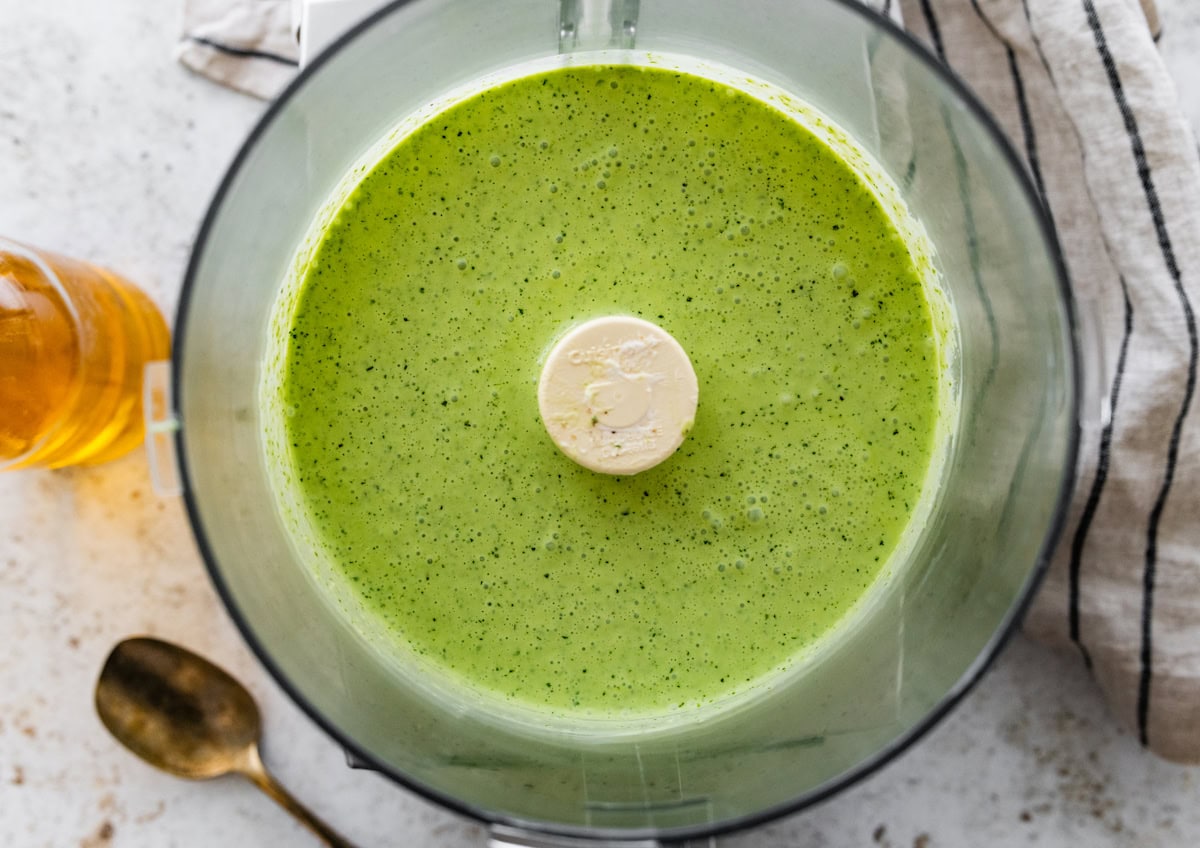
158	411
597	24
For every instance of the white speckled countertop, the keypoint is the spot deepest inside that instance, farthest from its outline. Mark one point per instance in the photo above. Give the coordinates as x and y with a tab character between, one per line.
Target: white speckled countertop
109	151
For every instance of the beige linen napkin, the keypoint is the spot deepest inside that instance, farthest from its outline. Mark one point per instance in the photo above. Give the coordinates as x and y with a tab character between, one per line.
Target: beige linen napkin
1083	94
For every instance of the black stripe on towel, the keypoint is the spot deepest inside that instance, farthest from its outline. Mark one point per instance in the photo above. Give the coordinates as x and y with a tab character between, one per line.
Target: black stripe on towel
1078	542
972	234
243	52
1027	131
1093	498
1168	253
935	32
1031	151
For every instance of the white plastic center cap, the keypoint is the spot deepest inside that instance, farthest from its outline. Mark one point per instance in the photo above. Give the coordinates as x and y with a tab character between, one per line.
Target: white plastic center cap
618	395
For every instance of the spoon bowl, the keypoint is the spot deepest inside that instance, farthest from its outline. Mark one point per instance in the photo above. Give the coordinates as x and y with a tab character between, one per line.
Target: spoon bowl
176	710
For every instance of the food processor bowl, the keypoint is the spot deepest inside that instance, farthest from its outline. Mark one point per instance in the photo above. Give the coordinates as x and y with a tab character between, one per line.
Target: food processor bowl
972	565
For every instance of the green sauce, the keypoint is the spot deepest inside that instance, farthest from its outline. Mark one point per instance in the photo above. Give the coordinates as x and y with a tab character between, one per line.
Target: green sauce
410	373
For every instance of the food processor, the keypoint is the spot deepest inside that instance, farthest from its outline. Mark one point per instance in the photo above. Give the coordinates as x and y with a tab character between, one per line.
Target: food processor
970	568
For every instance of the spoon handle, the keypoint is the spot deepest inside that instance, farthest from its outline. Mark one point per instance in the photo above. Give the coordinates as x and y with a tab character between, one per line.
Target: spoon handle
254	771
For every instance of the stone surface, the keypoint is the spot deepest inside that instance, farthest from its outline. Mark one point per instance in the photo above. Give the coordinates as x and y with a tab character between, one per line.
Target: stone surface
110	151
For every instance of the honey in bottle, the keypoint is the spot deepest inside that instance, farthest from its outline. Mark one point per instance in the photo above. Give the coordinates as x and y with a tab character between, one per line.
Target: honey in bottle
74	340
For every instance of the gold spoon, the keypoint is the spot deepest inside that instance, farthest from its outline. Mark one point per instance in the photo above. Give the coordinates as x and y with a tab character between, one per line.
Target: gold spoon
182	714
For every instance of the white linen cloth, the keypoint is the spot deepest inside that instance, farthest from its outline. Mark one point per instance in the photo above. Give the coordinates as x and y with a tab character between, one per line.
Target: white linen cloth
1084	96
248	45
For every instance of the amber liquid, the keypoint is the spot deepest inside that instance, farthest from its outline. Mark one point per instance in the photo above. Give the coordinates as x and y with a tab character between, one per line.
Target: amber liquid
74	340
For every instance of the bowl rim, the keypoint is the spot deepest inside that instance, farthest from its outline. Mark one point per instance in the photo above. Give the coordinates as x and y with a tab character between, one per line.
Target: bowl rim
864	768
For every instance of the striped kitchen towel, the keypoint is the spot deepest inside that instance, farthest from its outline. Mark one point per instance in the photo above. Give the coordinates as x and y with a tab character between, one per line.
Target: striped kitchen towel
1082	92
1080	89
